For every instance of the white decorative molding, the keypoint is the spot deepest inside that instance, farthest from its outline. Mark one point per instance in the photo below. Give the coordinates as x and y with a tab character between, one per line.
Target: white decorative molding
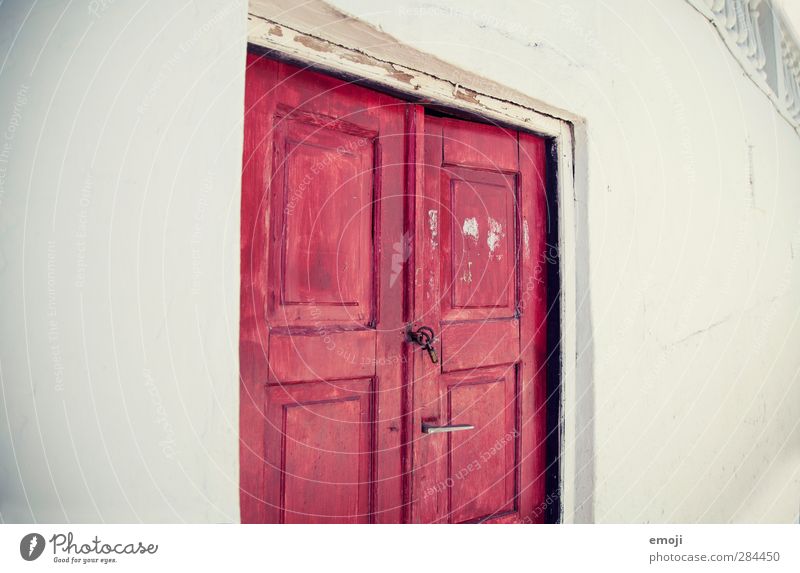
790	92
759	38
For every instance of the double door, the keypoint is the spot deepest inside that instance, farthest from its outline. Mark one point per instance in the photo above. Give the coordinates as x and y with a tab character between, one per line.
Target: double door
393	336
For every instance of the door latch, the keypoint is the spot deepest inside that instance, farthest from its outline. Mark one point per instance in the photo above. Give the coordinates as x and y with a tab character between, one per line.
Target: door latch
424	337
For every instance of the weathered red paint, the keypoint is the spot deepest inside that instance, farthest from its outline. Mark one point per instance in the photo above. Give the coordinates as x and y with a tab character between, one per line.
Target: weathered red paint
339	183
322	323
477	288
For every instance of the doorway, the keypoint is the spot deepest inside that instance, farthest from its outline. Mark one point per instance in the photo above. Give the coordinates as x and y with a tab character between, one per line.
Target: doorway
393	332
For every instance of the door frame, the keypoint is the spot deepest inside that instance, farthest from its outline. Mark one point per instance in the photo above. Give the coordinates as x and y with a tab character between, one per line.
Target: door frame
305	37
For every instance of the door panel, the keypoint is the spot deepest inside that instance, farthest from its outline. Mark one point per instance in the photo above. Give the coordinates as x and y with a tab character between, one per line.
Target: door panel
479	241
476	145
322	467
321	402
323	205
307	356
481	463
485	188
498	343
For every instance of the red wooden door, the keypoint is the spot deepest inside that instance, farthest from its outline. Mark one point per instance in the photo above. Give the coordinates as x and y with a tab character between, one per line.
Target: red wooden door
482	201
362	216
322	330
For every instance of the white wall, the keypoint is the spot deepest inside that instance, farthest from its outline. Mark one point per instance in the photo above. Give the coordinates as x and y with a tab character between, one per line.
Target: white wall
119	270
119	199
693	221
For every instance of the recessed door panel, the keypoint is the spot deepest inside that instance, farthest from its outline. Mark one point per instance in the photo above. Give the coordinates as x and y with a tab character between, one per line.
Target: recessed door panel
482	464
482	239
478	211
324	461
325	213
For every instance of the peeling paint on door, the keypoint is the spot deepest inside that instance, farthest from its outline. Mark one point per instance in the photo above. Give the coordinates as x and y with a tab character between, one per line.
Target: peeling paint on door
470	228
433	225
493	238
467	276
526	239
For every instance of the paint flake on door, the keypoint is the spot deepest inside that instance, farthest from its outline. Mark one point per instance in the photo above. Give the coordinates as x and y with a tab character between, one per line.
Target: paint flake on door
470	228
493	238
467	276
526	239
433	225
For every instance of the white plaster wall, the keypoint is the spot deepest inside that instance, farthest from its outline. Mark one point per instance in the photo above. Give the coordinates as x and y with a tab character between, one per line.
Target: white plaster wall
119	197
120	156
693	220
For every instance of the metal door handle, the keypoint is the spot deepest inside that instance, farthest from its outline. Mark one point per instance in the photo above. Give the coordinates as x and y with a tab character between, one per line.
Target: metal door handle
429	429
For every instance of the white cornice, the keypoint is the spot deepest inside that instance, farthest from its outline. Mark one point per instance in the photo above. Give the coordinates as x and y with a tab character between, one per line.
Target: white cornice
757	35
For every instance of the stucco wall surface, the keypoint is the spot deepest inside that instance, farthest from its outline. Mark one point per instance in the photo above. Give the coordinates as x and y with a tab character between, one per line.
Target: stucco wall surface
121	127
120	158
